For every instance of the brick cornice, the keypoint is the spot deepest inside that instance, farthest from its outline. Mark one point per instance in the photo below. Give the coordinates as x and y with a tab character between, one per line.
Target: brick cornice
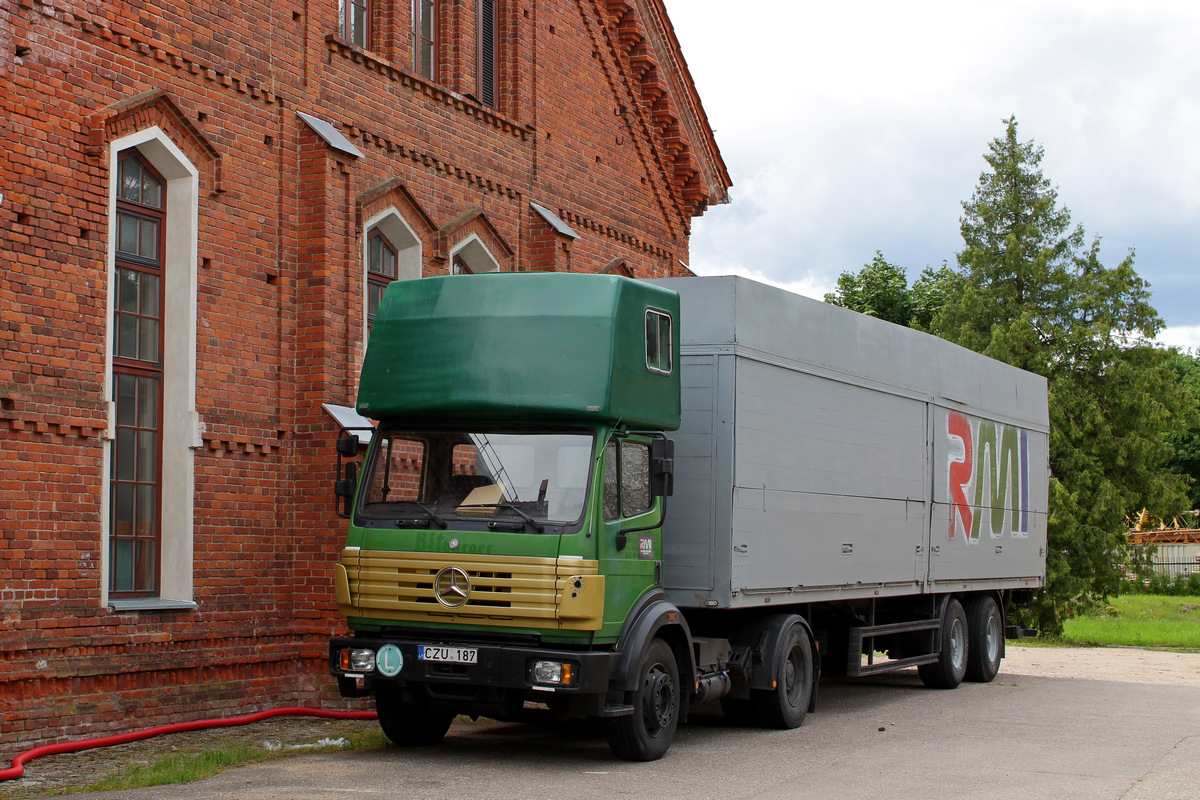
581	222
143	44
39	412
385	144
464	105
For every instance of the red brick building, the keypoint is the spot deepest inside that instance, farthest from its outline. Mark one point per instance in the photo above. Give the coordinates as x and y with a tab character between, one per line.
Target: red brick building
200	204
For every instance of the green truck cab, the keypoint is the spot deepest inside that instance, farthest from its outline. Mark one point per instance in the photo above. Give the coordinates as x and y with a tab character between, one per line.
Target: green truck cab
504	551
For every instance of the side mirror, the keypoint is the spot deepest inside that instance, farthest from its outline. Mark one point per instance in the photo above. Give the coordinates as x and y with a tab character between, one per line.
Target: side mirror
662	467
347	445
343	489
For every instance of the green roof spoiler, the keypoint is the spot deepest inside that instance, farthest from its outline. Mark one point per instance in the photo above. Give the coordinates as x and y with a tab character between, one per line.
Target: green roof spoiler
524	348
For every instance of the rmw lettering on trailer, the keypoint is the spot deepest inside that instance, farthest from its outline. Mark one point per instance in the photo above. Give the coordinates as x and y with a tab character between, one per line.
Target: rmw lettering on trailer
988	470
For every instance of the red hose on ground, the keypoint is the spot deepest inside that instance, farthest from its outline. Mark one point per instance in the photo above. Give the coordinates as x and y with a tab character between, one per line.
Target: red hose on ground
18	769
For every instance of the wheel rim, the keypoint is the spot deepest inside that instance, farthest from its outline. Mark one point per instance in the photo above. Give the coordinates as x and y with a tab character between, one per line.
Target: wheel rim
658	700
957	644
793	668
993	639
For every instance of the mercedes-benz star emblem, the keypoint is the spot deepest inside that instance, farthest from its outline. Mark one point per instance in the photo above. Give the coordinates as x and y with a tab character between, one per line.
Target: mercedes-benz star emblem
451	586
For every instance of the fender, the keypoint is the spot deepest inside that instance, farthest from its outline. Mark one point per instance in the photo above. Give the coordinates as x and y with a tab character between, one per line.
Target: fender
764	638
942	601
651	614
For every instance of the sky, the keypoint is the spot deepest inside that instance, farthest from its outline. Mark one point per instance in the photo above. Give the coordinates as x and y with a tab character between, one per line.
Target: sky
851	128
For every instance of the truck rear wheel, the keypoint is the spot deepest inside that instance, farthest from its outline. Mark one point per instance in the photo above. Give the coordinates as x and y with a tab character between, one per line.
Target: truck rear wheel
786	705
407	723
647	733
948	671
986	634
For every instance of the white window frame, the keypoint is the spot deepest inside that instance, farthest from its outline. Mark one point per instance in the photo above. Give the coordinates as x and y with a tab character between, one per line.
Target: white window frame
181	431
474	252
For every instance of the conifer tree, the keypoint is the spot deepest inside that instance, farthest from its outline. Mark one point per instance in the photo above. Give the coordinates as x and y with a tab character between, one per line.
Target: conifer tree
1030	291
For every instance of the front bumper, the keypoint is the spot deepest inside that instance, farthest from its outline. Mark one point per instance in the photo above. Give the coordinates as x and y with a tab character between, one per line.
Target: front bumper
500	666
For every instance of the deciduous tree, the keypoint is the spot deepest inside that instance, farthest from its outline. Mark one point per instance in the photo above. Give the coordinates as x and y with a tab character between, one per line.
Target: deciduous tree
880	289
1185	445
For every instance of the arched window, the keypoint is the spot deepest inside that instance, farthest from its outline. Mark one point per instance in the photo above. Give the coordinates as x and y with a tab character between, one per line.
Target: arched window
135	481
381	270
392	253
153	427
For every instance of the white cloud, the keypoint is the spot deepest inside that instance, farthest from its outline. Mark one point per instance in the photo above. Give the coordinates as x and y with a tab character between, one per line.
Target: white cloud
1186	337
851	128
814	287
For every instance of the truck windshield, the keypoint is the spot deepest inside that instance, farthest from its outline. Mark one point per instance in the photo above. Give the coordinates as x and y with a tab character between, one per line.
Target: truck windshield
502	480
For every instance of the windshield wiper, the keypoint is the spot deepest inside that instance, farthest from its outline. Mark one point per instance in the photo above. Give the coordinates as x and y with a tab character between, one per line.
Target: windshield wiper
537	526
429	512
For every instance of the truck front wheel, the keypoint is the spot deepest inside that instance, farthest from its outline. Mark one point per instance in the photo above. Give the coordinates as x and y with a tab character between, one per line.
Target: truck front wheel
948	671
407	723
647	733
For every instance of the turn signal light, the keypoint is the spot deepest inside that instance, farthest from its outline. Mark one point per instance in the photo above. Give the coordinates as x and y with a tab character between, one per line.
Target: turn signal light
557	673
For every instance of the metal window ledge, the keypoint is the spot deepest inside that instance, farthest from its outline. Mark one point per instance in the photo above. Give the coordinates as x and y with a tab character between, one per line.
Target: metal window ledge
150	604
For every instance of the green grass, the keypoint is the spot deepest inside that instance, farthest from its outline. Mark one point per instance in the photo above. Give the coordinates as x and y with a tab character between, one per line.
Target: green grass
185	768
1141	620
180	768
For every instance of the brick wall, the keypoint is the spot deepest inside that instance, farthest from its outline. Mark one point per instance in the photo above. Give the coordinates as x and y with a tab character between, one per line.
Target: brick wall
595	121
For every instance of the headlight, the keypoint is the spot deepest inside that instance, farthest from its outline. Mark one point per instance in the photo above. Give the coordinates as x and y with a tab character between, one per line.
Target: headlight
357	660
553	672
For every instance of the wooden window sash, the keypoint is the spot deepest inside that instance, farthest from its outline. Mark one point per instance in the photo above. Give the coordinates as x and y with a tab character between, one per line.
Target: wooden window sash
139	368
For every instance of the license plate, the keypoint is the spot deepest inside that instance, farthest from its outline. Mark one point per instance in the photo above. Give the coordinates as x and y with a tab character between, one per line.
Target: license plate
447	655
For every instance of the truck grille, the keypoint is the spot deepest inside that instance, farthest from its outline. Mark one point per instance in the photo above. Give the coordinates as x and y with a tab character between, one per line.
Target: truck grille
513	591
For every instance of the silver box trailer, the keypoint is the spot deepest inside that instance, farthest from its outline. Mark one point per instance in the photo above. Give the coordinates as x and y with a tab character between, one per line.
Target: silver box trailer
829	456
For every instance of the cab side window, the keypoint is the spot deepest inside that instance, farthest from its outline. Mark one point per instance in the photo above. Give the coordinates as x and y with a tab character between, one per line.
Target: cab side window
626	479
659	345
612	490
635	478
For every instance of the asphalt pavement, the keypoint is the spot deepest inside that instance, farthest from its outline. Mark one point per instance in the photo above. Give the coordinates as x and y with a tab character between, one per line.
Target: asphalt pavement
1019	737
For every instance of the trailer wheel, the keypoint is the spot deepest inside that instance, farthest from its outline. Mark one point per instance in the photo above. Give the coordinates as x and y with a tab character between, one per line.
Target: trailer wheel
647	733
786	705
948	671
408	724
986	634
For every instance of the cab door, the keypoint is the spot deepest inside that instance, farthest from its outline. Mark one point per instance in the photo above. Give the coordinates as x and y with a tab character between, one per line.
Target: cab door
631	545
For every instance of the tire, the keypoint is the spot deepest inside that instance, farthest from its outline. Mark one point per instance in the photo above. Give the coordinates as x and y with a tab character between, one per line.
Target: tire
647	733
786	705
948	671
407	723
985	626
